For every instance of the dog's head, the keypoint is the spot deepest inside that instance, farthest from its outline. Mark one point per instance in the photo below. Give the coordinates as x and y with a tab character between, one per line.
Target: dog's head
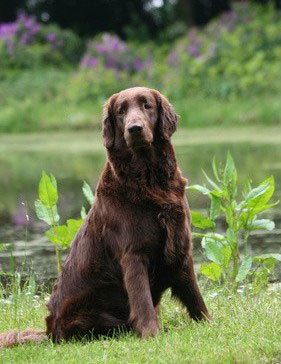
137	116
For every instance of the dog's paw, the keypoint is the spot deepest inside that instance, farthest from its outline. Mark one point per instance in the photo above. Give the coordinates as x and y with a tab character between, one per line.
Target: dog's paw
150	329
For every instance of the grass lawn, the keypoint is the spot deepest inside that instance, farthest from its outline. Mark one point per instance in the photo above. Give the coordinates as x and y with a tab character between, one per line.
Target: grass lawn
245	329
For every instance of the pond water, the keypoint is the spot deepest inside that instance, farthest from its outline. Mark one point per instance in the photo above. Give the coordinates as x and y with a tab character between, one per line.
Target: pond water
75	157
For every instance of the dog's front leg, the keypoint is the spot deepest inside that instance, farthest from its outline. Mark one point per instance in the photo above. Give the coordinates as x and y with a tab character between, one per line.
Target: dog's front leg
185	287
142	313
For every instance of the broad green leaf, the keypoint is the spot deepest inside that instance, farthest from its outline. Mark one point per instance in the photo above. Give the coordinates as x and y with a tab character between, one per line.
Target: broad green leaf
73	226
213	251
227	252
197	235
241	205
244	269
49	215
263	224
261	257
259	196
58	235
199	188
212	271
230	176
64	234
270	264
54	181
200	220
83	213
257	191
212	183
262	208
231	238
215	170
247	187
212	237
88	193
229	170
48	194
248	215
228	216
215	207
216	193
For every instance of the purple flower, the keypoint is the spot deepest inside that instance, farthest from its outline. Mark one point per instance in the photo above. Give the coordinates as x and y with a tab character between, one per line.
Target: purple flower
8	30
19	217
193	50
100	49
51	37
138	64
173	58
88	61
114	54
110	62
35	28
25	39
93	62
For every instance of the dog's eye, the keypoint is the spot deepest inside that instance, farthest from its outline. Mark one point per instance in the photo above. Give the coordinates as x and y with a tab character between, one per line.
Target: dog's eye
121	111
147	106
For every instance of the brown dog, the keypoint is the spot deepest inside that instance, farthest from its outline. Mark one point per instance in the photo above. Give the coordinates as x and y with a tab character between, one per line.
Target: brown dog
136	240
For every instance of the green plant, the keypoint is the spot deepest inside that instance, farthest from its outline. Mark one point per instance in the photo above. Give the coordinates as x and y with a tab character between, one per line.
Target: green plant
228	251
46	210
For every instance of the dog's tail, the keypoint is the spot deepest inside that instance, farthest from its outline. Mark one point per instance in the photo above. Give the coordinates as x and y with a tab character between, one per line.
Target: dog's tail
15	337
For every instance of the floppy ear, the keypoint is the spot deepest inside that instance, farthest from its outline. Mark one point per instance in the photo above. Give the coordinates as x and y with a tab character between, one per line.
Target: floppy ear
108	129
168	118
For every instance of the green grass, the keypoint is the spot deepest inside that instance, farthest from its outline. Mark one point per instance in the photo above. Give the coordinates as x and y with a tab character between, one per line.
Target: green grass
244	329
50	99
240	111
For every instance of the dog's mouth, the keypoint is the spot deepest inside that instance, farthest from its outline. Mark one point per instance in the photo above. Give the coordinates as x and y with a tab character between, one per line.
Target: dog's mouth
137	142
137	138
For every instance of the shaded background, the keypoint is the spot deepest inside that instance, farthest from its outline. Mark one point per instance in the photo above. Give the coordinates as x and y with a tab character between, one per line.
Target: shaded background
89	18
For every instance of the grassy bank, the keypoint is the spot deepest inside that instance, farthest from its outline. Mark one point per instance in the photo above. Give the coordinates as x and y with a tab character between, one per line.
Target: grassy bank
244	330
46	100
226	73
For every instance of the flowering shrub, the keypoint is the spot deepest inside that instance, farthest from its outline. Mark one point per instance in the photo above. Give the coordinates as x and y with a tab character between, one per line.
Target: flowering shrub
114	54
26	43
239	52
236	55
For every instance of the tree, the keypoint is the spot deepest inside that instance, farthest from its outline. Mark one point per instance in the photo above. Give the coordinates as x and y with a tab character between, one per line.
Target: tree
200	12
9	9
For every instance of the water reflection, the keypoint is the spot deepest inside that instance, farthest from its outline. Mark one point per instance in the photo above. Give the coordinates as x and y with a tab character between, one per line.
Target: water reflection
20	172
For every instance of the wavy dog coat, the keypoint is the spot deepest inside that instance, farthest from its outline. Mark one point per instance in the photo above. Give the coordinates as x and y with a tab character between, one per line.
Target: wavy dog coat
136	240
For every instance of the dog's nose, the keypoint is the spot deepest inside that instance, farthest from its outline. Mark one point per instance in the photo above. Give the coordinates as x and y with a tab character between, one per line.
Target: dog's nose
135	128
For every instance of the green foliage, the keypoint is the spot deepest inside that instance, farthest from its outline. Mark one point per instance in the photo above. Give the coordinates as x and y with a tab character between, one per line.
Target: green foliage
46	209
212	271
224	249
237	53
225	73
26	43
88	193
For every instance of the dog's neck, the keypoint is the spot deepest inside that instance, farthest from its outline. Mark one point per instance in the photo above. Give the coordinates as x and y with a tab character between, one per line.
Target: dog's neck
152	166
